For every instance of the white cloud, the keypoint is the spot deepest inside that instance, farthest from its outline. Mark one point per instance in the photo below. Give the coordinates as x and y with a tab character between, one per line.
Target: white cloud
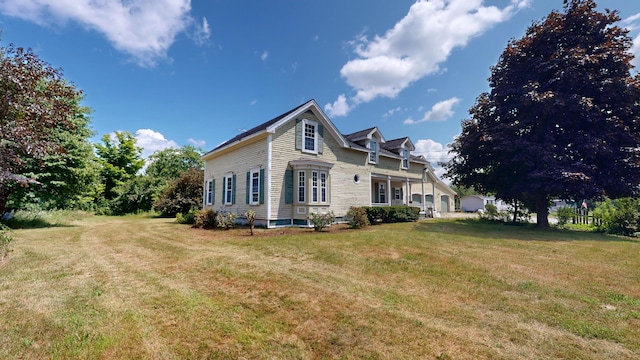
197	143
141	28
391	112
201	33
151	141
433	151
439	112
418	44
339	108
265	55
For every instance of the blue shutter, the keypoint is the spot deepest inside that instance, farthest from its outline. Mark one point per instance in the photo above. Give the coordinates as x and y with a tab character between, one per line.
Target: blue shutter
233	189
320	138
261	195
213	192
248	186
288	187
298	134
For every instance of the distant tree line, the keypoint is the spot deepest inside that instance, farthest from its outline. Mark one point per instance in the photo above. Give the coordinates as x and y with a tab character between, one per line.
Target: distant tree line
47	160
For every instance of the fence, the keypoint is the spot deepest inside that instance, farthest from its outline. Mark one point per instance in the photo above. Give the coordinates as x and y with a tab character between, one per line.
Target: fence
582	217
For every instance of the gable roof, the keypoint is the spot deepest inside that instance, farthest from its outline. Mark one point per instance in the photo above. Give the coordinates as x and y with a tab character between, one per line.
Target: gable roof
398	143
271	126
365	134
346	141
253	131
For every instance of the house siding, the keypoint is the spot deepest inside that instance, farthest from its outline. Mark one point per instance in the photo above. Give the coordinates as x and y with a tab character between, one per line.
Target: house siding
343	190
277	143
243	158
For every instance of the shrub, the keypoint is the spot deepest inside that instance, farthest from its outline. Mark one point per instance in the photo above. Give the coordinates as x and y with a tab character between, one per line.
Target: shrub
226	220
357	217
205	218
491	212
188	218
321	221
392	214
620	216
565	214
181	195
251	218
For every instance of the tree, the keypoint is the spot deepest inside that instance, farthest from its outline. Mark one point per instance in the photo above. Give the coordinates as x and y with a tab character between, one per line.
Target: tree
182	195
120	160
36	102
169	163
68	178
137	194
561	119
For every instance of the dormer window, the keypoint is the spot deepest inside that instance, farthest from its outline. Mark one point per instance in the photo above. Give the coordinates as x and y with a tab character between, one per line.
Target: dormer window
405	158
373	151
310	136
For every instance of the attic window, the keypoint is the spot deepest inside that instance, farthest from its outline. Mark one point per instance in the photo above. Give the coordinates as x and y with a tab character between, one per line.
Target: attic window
405	158
373	151
310	138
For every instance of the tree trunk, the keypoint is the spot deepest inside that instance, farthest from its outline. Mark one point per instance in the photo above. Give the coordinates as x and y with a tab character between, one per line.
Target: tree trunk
542	212
515	211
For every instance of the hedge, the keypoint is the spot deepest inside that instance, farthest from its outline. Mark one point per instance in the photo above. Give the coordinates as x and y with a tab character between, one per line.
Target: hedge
392	214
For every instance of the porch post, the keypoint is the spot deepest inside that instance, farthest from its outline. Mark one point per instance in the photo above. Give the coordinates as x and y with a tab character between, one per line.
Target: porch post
423	200
407	193
388	190
433	196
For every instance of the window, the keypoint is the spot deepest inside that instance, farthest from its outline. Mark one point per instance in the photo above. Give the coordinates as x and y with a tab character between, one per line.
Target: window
373	151
314	186
209	192
405	159
255	187
228	190
397	193
301	187
323	187
382	193
309	136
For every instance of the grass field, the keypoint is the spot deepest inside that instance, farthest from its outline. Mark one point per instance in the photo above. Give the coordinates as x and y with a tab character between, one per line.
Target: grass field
133	287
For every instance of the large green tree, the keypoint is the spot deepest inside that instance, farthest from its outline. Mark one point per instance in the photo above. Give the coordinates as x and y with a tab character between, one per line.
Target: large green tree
169	163
562	117
36	104
69	178
120	159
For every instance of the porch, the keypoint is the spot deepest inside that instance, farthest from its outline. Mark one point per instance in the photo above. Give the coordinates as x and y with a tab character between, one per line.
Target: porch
396	191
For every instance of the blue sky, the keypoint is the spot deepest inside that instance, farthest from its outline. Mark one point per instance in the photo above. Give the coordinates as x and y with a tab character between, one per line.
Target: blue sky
178	72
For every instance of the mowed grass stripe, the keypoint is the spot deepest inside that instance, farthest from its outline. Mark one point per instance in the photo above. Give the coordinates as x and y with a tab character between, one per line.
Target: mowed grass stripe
149	288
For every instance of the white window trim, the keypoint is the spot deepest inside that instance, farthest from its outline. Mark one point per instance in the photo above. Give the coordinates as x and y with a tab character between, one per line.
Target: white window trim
374	153
397	194
301	186
209	195
324	180
228	189
306	122
315	177
382	193
405	158
251	187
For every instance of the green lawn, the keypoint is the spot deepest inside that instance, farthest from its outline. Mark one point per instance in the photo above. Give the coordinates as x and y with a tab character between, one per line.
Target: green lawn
133	287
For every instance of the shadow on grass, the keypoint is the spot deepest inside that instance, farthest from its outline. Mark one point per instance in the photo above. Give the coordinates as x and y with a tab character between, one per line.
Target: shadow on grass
498	230
39	220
